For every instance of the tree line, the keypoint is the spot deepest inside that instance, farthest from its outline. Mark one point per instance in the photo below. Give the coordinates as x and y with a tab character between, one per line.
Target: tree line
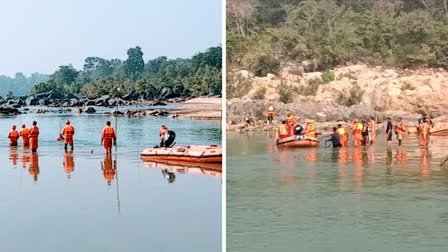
20	84
263	34
196	76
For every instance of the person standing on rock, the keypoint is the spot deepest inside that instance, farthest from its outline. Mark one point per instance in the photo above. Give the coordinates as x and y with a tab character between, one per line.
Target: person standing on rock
270	114
400	131
291	121
107	136
343	134
24	133
13	136
357	133
67	132
372	129
34	137
389	131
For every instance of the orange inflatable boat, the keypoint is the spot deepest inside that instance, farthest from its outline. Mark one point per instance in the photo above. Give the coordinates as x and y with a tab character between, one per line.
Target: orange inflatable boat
194	153
207	169
294	142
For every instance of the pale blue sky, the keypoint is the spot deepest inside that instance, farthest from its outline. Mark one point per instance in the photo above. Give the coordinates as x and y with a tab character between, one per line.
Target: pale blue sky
40	35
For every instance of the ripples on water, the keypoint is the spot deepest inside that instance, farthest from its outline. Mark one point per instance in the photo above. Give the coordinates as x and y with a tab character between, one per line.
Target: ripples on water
324	199
89	201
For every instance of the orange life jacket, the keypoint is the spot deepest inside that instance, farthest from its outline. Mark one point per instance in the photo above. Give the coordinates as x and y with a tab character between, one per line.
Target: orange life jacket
33	132
24	133
358	128
424	129
291	120
68	131
311	130
400	128
282	130
13	135
108	133
342	133
271	111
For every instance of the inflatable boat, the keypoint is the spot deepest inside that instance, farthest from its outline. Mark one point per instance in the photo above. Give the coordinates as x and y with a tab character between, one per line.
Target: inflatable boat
193	153
295	142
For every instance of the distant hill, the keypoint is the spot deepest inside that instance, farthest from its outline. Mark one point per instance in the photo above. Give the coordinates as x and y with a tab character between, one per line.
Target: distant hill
20	84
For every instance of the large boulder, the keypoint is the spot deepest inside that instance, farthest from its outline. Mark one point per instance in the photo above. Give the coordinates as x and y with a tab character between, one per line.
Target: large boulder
31	101
132	95
166	93
89	110
7	110
54	95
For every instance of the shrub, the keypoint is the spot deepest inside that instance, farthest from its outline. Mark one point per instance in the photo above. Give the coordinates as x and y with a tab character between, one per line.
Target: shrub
260	94
327	76
265	64
287	93
237	86
311	88
407	86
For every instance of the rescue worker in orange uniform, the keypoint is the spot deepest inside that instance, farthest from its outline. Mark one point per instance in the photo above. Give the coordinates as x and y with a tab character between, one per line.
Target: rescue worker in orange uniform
34	137
357	133
270	114
281	132
24	133
107	136
400	130
67	132
372	129
108	169
34	166
291	121
13	136
424	133
69	163
343	135
310	129
163	131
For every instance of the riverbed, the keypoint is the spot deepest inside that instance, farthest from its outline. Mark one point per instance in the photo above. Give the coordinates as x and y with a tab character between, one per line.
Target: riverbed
371	198
88	201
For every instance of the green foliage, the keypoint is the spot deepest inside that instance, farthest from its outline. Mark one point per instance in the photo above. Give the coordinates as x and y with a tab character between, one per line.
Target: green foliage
260	94
354	98
327	76
199	76
237	86
311	88
263	33
287	93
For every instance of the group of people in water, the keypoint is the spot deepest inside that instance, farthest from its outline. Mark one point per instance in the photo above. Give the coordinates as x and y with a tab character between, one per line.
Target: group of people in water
363	131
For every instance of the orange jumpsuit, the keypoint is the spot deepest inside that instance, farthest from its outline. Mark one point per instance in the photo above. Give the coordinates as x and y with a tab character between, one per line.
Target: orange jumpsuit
270	113
13	137
107	136
424	134
343	136
372	130
357	134
33	135
68	133
25	138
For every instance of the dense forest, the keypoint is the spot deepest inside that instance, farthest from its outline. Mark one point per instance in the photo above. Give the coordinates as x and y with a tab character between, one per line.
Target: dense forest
263	34
200	75
20	84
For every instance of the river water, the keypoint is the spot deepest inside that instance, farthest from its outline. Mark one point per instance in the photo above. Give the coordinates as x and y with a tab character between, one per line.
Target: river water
350	199
87	201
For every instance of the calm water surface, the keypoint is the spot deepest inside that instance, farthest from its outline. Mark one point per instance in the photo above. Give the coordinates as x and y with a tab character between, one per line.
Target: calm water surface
351	199
87	201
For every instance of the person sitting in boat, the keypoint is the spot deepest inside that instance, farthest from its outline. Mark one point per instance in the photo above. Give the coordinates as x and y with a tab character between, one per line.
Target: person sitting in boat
163	135
281	131
335	138
310	129
299	130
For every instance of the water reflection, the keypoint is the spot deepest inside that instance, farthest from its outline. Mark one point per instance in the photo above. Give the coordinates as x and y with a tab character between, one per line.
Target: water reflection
169	170
68	163
34	166
13	155
25	158
109	168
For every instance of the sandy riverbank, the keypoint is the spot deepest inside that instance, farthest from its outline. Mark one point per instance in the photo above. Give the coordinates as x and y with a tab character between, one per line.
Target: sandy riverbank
202	108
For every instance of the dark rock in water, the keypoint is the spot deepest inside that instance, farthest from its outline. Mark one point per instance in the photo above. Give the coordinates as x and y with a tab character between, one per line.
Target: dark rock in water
157	113
26	109
90	103
70	96
159	103
118	113
5	110
54	95
31	101
41	111
132	95
44	102
90	110
107	113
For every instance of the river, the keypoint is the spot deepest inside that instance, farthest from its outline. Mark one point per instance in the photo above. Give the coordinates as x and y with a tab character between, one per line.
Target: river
87	201
324	199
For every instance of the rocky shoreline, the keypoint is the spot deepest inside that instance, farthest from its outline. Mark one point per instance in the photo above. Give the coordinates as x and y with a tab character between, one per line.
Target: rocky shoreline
55	102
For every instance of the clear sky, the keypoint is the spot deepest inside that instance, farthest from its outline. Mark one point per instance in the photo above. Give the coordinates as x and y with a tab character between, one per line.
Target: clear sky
40	35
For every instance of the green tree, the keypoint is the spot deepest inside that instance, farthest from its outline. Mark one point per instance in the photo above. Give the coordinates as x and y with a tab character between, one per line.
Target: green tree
134	65
65	75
